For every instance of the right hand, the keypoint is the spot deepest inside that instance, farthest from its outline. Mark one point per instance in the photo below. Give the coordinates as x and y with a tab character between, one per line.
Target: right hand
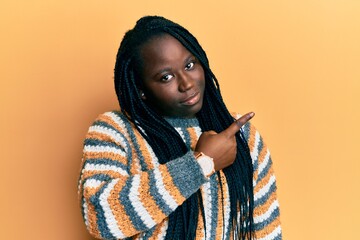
222	146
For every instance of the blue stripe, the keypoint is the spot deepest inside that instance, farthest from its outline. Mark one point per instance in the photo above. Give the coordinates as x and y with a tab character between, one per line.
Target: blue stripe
246	131
100	176
107	161
154	192
214	204
96	142
108	127
130	211
105	125
265	171
269	220
264	198
186	174
148	234
278	237
186	136
136	146
260	146
101	223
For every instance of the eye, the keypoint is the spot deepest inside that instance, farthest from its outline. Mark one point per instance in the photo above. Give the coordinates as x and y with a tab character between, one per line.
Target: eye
190	66
166	77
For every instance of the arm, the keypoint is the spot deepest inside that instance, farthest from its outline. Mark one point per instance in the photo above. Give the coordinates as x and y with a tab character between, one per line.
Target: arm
116	203
266	205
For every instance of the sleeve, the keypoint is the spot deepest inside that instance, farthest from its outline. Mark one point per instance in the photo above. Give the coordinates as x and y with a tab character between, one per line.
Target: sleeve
117	204
266	205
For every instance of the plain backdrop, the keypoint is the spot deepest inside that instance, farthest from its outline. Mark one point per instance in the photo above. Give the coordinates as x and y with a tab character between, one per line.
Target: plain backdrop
296	64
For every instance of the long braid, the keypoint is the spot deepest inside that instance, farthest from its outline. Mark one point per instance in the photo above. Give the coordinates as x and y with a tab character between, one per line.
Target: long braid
159	133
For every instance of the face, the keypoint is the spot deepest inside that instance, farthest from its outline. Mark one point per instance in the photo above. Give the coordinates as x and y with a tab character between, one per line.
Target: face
173	79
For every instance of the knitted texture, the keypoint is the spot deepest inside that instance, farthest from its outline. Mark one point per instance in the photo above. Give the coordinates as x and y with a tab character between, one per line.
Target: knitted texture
126	193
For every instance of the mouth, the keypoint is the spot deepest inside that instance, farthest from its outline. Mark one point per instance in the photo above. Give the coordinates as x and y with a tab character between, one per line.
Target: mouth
191	100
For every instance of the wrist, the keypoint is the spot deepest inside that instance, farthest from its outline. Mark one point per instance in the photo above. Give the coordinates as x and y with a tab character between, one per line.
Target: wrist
206	163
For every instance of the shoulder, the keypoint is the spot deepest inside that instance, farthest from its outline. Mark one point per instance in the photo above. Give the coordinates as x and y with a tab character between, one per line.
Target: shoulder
113	119
111	124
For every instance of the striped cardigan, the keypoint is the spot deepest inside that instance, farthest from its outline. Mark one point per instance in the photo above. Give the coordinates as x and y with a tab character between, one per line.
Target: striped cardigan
126	193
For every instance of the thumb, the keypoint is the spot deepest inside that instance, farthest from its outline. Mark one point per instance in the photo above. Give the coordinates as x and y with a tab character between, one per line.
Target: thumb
237	124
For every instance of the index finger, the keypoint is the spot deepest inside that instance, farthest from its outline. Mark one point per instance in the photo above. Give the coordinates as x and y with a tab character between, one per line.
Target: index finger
238	123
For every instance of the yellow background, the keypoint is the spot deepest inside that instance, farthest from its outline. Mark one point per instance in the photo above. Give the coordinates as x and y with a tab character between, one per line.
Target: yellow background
295	63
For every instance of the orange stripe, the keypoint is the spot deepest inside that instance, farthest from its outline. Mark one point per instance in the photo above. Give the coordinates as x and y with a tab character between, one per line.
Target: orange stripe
100	136
135	164
268	229
225	191
169	185
193	138
157	231
91	191
263	152
147	199
219	229
92	219
261	209
261	158
110	173
108	155
109	121
118	210
263	181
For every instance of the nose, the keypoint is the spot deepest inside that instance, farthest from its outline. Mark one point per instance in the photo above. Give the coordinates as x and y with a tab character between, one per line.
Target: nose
185	82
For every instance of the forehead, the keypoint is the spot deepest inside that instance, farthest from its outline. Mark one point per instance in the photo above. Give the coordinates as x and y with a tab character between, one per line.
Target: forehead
163	49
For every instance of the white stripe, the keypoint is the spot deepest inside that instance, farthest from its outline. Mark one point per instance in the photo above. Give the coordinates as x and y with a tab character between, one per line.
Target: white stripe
86	212
104	167
181	133
226	210
92	183
154	160
263	165
137	204
169	200
273	234
109	132
163	231
198	132
99	149
206	194
254	154
109	216
118	121
266	215
265	189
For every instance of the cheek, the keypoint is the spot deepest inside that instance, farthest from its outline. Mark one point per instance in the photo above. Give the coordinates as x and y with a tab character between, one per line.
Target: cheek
200	73
164	95
200	76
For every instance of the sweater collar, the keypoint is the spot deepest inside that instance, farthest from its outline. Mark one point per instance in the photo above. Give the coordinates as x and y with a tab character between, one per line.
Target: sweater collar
182	122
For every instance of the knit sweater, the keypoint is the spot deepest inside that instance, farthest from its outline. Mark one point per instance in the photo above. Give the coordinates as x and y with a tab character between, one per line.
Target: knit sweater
126	193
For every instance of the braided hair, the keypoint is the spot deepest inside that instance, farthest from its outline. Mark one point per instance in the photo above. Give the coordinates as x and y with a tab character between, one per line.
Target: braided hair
166	141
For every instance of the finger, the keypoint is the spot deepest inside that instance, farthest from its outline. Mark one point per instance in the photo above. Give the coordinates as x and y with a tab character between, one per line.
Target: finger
238	123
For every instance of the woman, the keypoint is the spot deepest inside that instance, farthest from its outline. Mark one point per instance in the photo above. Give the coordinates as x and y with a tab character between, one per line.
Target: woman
173	163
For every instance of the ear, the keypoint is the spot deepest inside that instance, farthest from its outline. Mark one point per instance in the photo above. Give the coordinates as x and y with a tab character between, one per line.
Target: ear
142	95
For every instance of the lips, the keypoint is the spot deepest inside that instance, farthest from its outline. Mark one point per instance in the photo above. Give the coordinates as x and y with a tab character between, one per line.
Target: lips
192	99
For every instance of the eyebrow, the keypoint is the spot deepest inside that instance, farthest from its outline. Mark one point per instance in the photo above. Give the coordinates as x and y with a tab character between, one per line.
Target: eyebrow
168	69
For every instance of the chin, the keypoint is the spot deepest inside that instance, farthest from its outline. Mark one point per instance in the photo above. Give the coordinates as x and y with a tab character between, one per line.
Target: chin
195	109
